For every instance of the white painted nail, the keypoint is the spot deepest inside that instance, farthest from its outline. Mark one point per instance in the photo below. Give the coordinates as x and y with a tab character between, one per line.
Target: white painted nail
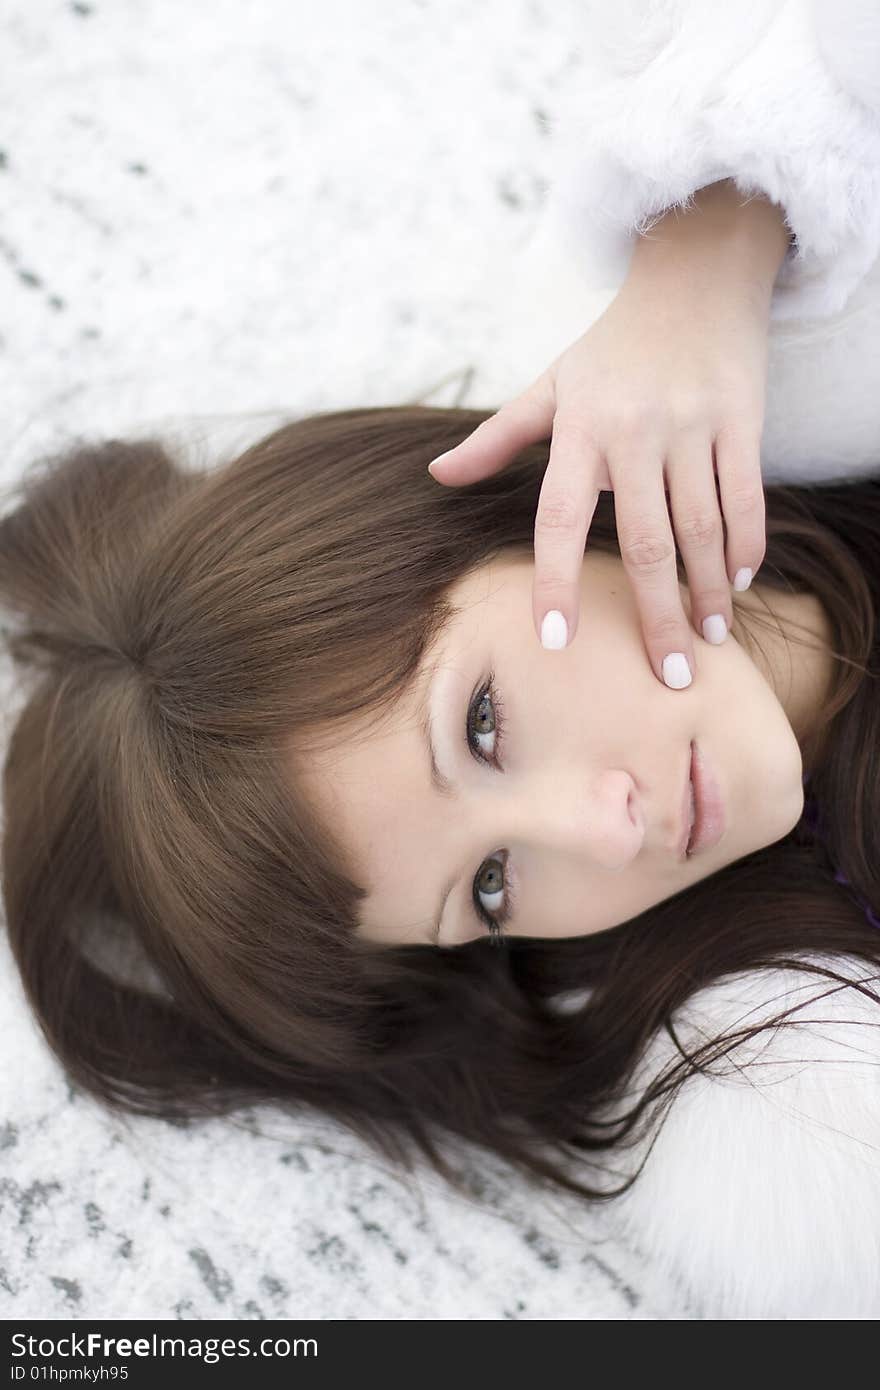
554	631
715	629
676	672
439	459
742	580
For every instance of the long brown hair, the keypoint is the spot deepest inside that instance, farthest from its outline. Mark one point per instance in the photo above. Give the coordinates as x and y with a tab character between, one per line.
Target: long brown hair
174	626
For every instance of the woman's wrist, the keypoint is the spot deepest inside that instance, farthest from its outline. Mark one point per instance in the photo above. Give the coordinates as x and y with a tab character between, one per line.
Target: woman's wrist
723	239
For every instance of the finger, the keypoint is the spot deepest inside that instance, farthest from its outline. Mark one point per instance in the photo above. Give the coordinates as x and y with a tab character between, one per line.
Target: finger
647	549
495	442
741	485
699	532
567	502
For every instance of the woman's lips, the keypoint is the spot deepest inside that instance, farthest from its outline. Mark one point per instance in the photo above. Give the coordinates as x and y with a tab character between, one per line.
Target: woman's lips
710	821
685	817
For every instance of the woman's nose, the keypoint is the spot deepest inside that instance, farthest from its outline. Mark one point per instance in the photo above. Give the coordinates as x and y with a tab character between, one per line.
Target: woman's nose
608	820
599	820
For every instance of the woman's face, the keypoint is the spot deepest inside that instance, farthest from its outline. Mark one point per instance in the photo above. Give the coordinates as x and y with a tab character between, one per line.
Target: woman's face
576	830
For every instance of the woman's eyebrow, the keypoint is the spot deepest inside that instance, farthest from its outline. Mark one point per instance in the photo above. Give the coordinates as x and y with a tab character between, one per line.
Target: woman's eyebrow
439	781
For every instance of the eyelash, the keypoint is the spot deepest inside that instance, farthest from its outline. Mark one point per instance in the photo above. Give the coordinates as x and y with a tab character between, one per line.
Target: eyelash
497	923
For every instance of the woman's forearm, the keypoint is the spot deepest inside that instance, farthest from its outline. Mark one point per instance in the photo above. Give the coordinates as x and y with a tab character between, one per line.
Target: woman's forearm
724	239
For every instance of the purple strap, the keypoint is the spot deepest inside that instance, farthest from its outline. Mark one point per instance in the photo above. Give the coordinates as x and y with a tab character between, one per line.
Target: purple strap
813	818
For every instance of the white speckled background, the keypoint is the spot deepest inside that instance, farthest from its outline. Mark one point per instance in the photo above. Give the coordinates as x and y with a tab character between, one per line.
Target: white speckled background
208	211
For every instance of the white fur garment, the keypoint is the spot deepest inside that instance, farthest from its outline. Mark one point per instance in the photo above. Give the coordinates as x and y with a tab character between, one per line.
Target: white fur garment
762	1195
784	98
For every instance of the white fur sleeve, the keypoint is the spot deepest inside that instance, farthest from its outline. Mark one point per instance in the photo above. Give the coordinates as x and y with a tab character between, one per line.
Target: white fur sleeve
783	97
762	1194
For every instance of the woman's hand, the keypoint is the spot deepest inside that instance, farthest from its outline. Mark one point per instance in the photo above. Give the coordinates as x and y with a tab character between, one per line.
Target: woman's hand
664	390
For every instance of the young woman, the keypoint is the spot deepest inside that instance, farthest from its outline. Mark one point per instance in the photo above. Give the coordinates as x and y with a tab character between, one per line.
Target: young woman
289	728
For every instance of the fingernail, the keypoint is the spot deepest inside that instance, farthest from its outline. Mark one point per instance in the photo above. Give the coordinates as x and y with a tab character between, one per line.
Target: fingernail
742	580
676	672
439	459
715	629
554	631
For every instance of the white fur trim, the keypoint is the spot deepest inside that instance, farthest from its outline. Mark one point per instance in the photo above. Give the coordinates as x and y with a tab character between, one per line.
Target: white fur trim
677	94
762	1194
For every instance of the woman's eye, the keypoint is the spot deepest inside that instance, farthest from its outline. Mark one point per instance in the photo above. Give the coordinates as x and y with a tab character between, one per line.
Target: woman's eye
485	721
489	883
